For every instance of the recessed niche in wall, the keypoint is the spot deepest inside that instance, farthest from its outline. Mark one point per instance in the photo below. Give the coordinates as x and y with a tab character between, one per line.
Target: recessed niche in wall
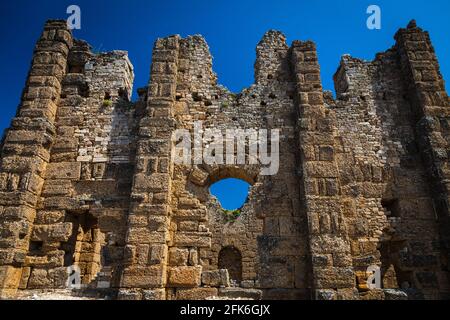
231	259
232	193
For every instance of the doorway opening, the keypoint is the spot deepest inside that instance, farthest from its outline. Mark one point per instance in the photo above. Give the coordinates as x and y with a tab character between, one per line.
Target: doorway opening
84	247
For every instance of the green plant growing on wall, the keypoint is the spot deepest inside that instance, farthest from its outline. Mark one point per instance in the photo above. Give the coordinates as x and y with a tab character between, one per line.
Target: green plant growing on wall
231	215
107	103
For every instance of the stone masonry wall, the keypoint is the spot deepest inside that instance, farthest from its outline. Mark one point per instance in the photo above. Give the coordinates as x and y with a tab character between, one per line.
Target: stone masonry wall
88	181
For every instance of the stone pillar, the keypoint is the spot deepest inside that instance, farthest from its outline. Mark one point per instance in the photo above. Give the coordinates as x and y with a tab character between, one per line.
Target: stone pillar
148	224
430	103
331	262
26	151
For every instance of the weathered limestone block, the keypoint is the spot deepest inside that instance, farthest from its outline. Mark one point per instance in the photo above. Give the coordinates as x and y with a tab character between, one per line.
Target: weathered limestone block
6	255
49	217
184	276
193	239
54	232
143	277
151	209
321	170
178	257
242	293
26	272
125	294
23	164
9	281
158	254
196	293
198	176
62	203
188	203
216	278
393	294
155	182
188	226
158	223
65	144
155	294
44	279
339	277
50	260
57	188
64	170
145	235
190	214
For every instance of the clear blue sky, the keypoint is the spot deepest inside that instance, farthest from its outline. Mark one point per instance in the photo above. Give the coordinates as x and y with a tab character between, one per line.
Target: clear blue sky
231	193
231	28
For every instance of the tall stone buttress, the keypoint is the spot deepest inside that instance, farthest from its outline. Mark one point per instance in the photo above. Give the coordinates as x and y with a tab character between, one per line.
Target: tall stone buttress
26	151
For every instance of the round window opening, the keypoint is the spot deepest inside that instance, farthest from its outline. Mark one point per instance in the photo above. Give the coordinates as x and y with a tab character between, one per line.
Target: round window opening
232	193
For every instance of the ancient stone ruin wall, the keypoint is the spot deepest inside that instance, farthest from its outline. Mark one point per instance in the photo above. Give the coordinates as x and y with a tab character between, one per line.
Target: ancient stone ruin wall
87	178
270	234
390	215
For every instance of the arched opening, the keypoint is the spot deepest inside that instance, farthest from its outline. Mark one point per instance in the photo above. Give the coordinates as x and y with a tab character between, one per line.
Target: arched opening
232	193
231	259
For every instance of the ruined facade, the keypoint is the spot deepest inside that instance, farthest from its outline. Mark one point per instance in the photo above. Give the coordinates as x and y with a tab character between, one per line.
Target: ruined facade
87	177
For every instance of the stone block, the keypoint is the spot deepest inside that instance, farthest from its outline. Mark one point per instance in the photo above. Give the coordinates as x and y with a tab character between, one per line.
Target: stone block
26	272
326	153
196	293
158	254
49	217
64	170
321	170
62	203
9	281
198	176
339	278
188	226
178	257
193	239
242	293
158	223
54	232
184	276
48	279
143	277
154	294
144	235
156	182
191	214
57	188
395	294
125	294
216	278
